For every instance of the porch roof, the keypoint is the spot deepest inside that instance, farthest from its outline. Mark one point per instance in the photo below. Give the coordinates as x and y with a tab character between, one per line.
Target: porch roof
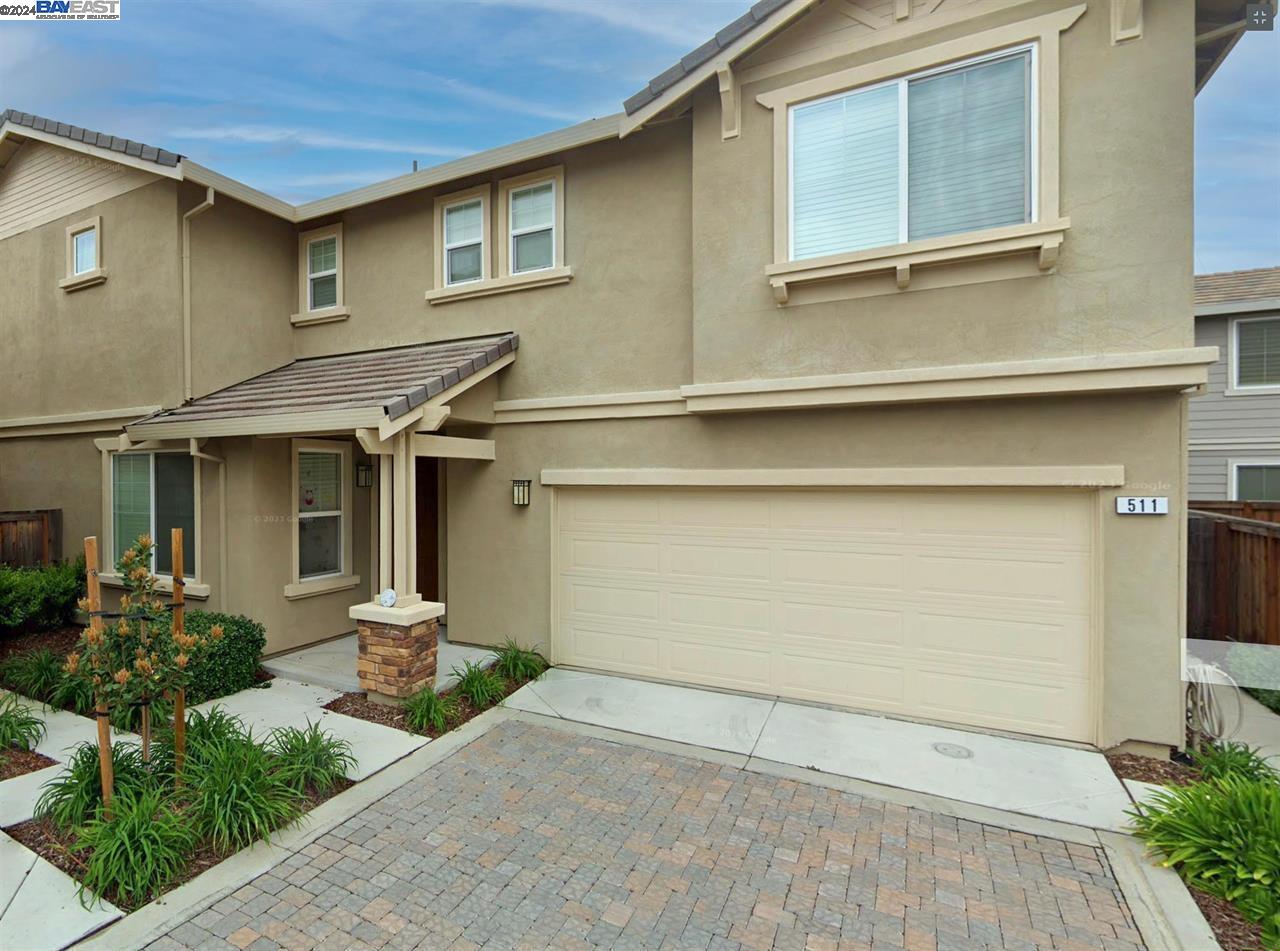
346	391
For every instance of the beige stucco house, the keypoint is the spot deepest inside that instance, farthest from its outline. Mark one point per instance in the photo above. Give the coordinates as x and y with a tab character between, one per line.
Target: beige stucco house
816	372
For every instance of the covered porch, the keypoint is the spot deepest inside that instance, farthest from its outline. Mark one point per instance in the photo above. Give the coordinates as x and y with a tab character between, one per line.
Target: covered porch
332	466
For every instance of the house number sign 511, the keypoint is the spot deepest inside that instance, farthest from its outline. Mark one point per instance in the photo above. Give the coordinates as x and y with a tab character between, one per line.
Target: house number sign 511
1142	505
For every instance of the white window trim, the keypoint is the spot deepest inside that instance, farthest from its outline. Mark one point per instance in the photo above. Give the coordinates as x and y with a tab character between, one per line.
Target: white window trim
343	578
499	279
307	314
902	83
482	193
1233	473
74	281
1234	387
1043	236
195	586
507	189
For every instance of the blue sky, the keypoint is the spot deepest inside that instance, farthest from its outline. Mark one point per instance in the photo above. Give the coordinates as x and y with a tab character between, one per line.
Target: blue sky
305	99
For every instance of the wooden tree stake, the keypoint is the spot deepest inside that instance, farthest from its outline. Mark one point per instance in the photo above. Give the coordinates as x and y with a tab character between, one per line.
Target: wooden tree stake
100	709
180	700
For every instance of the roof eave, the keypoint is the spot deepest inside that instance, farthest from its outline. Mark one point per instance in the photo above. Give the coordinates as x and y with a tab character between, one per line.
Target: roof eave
12	130
683	87
1222	308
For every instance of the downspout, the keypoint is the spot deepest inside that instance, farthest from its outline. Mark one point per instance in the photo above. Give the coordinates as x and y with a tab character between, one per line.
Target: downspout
186	289
197	453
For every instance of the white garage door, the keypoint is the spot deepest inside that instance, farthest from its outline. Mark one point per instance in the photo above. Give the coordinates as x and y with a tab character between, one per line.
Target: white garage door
967	606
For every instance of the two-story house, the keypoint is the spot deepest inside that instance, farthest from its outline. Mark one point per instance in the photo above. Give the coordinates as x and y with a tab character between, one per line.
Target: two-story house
1234	439
816	372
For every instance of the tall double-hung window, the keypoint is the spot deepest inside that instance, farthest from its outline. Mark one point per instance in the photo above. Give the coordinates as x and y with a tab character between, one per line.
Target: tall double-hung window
936	153
152	493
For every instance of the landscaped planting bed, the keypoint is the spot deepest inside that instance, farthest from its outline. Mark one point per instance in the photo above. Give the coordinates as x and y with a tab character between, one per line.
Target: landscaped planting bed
20	730
1221	832
161	831
433	714
1148	769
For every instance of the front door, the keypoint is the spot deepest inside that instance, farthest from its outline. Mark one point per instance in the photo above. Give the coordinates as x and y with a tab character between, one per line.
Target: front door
428	501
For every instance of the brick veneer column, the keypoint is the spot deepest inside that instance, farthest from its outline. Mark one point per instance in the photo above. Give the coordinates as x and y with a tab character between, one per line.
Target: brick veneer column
396	660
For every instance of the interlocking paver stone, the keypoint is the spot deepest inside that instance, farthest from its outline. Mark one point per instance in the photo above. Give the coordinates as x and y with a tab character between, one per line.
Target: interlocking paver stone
531	837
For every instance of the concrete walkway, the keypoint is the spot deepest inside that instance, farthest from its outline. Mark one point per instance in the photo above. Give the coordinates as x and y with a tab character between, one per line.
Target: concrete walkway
1035	779
333	663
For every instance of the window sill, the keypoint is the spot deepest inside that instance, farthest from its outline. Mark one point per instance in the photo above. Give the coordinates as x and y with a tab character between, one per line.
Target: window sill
81	281
309	589
1044	238
326	315
500	285
191	589
1251	391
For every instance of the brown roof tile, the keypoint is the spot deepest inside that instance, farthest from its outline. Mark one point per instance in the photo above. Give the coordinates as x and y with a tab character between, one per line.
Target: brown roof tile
396	380
1261	283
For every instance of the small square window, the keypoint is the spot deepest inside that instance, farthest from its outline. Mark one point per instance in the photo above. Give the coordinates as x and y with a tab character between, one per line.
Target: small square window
1258	483
1257	352
84	251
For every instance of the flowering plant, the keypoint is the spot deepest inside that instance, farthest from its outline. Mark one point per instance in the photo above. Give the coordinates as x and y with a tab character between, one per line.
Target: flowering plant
138	656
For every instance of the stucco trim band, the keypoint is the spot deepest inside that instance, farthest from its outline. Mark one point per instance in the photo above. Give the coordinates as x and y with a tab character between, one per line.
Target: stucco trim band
94	421
595	406
1161	369
1070	477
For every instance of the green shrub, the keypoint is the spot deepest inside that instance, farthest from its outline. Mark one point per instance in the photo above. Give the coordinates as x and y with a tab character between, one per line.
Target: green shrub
73	797
236	792
132	856
310	758
40	598
228	665
516	663
1218	761
19	727
1223	836
427	711
34	674
481	686
72	693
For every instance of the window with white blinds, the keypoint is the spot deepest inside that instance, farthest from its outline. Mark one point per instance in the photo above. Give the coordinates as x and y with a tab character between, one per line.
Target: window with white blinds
151	494
1257	352
940	153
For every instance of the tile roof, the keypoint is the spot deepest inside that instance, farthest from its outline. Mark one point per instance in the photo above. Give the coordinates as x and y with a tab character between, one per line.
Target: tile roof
1225	287
148	153
394	380
691	61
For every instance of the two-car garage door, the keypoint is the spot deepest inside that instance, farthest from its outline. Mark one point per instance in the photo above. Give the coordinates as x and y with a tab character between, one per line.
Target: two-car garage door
968	606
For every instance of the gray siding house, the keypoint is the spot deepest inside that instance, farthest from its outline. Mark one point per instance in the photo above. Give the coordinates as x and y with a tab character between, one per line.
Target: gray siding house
1234	438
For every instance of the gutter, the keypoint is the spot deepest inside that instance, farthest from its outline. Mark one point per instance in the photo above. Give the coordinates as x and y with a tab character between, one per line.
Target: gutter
186	290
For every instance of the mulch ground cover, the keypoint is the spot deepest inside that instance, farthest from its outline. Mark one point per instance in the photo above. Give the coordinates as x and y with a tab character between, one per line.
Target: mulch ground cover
1148	769
61	639
362	708
1233	931
20	762
54	846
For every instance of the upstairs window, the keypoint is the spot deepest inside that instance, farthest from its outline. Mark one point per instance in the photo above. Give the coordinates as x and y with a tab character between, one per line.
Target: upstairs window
1257	352
84	251
322	272
533	227
937	153
320	285
464	241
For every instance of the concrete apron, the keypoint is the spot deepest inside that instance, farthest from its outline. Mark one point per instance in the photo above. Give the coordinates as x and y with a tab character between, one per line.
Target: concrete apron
1164	912
1042	780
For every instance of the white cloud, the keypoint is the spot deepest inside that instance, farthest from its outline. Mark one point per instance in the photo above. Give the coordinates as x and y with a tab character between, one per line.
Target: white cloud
282	135
670	22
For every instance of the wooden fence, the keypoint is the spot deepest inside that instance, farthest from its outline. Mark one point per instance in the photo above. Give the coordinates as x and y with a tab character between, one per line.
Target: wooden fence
1262	511
1233	579
28	539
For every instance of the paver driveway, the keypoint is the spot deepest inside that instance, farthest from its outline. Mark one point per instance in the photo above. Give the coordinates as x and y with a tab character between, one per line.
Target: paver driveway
535	837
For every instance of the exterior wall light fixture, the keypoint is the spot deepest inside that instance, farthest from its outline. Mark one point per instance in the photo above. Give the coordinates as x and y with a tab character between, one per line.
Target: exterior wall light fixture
364	475
520	491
